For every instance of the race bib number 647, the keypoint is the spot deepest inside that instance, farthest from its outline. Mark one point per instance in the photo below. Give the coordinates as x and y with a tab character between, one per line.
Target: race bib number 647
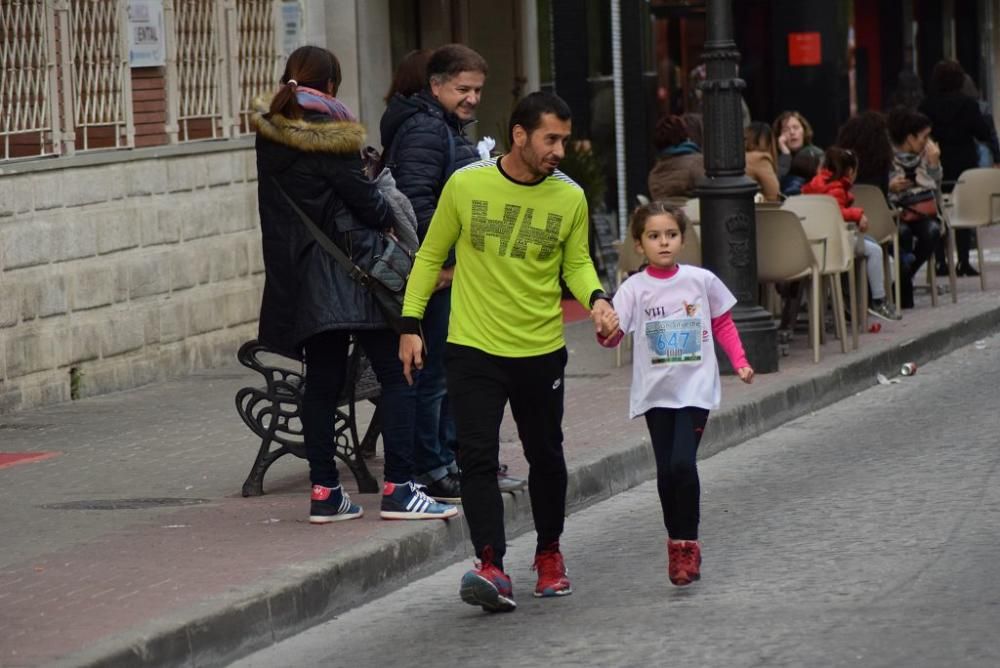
674	341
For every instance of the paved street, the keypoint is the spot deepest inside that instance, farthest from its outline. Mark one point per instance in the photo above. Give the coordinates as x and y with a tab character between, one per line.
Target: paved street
865	534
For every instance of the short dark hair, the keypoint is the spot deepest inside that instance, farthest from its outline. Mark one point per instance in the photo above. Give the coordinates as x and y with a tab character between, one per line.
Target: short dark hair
805	164
528	112
451	60
904	122
643	212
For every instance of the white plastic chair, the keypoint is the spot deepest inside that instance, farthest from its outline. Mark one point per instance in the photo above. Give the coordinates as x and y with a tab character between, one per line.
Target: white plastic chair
883	227
784	253
972	206
821	219
692	209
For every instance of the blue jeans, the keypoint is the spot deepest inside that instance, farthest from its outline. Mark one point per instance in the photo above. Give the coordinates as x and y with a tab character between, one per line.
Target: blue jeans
432	458
326	368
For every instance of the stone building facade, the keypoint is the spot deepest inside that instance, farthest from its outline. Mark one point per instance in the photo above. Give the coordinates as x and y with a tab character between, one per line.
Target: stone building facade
129	240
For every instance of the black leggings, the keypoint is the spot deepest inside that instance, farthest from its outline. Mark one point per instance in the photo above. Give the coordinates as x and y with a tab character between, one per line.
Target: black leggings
676	433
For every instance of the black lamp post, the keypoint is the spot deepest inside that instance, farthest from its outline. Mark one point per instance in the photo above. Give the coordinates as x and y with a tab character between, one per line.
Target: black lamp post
728	227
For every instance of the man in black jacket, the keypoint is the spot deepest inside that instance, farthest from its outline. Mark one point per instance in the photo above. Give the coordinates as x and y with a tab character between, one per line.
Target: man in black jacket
424	142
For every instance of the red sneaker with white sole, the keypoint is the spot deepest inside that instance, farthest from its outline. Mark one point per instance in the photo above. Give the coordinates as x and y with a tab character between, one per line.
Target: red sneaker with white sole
552	575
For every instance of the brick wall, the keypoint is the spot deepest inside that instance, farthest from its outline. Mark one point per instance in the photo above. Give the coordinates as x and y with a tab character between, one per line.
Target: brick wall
149	106
129	272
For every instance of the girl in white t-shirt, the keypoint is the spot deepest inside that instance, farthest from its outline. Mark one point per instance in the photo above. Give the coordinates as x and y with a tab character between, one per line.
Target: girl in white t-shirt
675	313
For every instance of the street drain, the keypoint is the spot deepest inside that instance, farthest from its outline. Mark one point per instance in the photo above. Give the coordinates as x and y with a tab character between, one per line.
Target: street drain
124	504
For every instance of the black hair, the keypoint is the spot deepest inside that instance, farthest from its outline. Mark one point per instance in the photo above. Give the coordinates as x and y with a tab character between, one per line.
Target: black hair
904	122
840	161
805	164
528	112
867	134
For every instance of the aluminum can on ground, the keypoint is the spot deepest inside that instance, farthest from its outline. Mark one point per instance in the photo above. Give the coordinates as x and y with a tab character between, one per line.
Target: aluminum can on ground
908	369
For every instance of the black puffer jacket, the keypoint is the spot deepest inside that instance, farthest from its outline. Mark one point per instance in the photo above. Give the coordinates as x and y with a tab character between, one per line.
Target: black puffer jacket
306	291
423	145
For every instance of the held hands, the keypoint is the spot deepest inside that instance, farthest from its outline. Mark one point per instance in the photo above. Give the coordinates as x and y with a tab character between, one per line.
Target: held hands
411	354
605	319
746	374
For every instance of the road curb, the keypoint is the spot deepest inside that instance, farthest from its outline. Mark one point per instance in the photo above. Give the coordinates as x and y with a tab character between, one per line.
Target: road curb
218	632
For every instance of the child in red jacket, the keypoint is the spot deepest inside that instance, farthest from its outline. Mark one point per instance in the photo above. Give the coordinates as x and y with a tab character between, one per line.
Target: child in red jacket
835	178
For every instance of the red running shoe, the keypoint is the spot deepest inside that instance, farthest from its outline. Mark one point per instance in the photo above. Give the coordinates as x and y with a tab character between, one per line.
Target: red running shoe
487	586
683	561
552	580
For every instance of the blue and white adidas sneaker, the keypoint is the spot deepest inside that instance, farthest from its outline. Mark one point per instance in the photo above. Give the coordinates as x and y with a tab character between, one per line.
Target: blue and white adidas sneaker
407	501
332	504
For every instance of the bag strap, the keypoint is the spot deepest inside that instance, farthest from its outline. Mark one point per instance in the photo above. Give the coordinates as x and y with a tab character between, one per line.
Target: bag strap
356	272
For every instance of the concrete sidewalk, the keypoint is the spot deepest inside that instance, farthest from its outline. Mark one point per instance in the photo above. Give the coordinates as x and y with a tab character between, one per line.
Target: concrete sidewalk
181	570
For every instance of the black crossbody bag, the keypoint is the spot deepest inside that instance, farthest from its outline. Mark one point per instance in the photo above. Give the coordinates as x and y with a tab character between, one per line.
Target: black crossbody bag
385	279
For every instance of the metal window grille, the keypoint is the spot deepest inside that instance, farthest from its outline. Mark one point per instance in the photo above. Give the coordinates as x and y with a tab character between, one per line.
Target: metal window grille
27	79
200	66
102	90
258	56
66	85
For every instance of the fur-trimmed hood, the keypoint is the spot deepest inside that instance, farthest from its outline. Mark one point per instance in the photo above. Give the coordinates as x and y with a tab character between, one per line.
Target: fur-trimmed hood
314	133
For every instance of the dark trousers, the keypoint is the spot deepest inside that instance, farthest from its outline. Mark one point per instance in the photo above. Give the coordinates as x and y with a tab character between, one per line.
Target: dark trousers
479	387
917	241
432	458
676	433
326	368
963	245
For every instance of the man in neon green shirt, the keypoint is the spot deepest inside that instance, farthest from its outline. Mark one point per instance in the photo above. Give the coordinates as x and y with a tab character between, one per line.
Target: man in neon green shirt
517	224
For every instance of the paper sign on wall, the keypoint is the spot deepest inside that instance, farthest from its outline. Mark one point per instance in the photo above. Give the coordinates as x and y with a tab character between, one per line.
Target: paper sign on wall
804	49
146	45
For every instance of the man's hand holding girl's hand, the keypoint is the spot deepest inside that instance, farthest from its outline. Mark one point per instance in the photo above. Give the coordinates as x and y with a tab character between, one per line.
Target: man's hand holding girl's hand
605	319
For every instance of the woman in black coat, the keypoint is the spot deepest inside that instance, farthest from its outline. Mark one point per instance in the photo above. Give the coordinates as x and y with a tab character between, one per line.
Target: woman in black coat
308	145
956	124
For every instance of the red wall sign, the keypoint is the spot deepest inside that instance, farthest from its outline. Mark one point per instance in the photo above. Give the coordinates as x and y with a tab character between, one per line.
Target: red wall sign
804	49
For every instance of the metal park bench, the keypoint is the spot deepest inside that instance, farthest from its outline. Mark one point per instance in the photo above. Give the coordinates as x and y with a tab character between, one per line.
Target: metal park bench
273	412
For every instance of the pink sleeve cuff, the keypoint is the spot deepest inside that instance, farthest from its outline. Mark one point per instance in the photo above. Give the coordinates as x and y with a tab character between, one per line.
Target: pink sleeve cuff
611	341
724	331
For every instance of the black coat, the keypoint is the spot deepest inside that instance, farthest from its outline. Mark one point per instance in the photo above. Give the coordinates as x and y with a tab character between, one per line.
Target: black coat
306	291
956	125
422	145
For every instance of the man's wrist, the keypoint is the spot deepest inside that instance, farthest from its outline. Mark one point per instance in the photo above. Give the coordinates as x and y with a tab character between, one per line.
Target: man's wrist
409	325
598	294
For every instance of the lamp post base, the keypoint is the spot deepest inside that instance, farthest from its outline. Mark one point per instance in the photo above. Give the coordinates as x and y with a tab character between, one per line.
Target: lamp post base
728	235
